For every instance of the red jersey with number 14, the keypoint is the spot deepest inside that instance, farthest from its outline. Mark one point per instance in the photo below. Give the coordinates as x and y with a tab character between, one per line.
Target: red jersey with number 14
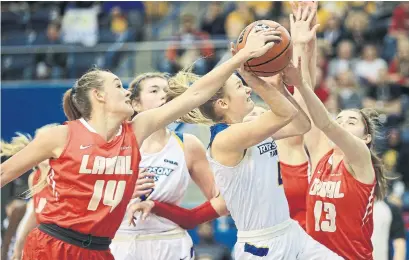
91	183
339	210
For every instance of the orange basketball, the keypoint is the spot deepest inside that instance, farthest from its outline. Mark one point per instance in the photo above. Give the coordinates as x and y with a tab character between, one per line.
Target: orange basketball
273	61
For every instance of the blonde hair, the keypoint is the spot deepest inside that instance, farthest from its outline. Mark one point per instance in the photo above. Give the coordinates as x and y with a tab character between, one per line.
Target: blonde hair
17	144
206	113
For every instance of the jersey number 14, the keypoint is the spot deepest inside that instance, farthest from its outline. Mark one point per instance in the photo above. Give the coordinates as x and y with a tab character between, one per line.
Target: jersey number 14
114	191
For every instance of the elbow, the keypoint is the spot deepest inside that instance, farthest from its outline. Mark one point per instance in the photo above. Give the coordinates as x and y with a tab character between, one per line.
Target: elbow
294	113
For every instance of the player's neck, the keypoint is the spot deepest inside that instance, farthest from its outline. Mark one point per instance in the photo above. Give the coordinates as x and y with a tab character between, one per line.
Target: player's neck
231	119
106	126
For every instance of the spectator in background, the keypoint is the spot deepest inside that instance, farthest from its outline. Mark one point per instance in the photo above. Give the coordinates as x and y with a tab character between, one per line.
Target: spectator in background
347	91
399	67
181	54
386	98
368	67
261	10
357	23
214	20
208	248
156	10
238	19
396	154
119	23
126	19
391	155
388	226
398	29
51	64
400	21
324	50
332	33
343	61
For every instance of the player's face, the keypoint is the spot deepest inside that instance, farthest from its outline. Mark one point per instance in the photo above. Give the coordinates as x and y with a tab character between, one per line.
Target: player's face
237	97
115	97
152	95
257	111
352	121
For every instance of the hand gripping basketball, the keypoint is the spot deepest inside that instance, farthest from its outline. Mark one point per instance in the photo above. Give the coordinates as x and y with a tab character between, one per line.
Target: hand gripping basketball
260	41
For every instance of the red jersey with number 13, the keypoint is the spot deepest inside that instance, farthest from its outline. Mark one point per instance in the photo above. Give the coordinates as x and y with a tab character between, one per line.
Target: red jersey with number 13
339	210
91	183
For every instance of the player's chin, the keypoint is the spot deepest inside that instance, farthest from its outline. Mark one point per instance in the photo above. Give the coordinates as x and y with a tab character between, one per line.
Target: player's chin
250	105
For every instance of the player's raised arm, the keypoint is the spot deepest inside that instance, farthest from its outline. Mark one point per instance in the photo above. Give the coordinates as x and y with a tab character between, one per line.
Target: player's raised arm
355	149
203	89
47	144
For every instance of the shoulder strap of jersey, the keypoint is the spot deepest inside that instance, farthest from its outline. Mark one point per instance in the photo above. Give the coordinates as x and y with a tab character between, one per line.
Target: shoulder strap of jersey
179	135
179	138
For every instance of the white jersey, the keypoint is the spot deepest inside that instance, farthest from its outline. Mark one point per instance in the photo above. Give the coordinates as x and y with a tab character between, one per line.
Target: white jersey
253	189
171	181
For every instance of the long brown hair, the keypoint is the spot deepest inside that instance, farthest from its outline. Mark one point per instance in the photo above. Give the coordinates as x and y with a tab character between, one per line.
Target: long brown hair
370	120
76	101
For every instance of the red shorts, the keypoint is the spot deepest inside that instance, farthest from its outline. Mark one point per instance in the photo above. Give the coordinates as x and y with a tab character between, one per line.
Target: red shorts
41	246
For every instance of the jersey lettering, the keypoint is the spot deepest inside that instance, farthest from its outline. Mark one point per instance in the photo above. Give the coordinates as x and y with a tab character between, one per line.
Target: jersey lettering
103	165
326	189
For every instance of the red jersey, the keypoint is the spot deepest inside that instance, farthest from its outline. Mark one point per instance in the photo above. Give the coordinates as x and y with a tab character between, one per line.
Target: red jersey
339	210
92	182
40	198
295	180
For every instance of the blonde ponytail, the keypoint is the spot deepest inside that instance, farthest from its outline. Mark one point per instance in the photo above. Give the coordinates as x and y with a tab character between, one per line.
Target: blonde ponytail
178	84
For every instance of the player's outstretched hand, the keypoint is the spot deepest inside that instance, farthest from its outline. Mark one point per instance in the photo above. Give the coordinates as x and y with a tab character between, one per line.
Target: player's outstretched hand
302	28
144	184
144	207
292	74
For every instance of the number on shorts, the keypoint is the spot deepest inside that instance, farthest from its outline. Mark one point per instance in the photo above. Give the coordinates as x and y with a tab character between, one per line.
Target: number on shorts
280	180
114	191
327	225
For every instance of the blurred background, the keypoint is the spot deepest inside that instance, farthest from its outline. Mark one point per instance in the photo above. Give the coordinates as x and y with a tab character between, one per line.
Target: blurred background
363	61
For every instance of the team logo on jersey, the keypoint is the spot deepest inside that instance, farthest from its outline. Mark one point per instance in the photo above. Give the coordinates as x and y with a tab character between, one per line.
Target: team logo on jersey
268	147
171	162
160	171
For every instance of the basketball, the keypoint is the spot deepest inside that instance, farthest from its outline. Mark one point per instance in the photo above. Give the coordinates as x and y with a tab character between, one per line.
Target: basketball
275	59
